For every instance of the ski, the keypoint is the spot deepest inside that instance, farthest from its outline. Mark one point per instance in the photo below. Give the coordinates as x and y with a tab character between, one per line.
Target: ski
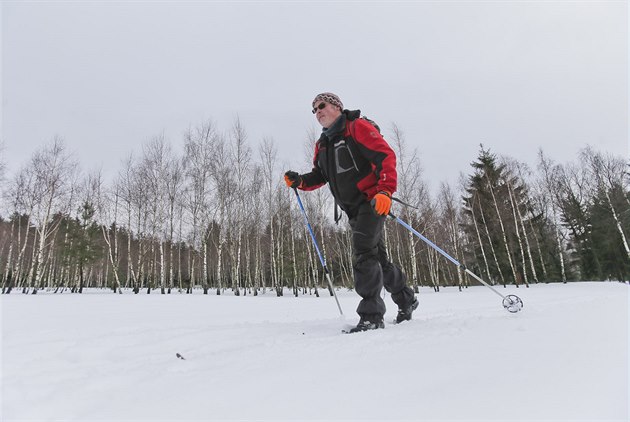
393	323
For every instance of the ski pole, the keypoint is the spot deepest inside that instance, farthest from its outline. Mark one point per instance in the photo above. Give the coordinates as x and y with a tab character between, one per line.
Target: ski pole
511	303
321	257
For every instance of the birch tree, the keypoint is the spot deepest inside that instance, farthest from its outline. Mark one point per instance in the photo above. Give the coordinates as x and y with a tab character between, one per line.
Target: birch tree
21	196
268	155
574	199
608	212
451	220
550	200
517	193
239	189
125	187
174	187
54	173
411	188
523	212
202	158
155	168
108	218
608	173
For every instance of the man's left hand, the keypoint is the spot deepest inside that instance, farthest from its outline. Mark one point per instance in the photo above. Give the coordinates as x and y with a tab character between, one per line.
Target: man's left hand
382	202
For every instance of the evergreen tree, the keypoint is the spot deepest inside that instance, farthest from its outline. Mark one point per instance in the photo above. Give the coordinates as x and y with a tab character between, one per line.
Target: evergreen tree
84	247
480	210
607	245
502	225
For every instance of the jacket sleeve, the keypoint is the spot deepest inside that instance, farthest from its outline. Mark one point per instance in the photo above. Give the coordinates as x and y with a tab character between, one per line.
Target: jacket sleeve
376	149
315	179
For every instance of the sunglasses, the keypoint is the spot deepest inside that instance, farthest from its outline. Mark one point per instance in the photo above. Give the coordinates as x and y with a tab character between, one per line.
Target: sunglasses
321	106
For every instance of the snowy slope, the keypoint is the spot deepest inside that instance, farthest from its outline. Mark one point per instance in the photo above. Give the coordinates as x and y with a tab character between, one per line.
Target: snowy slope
101	356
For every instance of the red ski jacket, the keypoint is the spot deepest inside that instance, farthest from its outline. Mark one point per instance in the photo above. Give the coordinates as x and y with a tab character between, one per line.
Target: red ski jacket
356	162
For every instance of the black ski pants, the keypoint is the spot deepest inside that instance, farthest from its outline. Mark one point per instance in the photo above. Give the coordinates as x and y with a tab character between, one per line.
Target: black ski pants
371	266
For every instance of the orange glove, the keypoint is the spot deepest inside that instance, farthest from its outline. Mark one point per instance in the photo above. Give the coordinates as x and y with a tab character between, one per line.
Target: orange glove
382	202
292	179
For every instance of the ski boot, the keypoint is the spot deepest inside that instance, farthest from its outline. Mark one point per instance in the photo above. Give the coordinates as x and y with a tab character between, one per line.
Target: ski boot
404	313
366	323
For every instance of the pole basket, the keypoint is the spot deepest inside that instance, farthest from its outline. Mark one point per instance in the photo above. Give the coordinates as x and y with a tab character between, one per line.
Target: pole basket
512	303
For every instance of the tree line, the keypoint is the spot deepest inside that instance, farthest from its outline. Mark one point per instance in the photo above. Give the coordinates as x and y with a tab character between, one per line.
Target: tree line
217	216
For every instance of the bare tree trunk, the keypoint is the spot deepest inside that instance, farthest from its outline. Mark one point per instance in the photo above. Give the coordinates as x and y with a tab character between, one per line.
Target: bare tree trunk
171	265
162	269
21	256
193	273
272	251
618	223
503	232
539	251
43	234
412	257
344	254
131	275
247	259
115	257
551	190
205	275
10	268
15	266
311	278
525	236
294	260
140	264
321	234
280	267
30	280
432	260
110	255
220	260
348	237
48	263
527	245
236	266
518	235
179	252
483	252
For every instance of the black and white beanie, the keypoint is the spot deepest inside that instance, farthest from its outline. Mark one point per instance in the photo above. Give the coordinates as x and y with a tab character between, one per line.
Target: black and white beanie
330	98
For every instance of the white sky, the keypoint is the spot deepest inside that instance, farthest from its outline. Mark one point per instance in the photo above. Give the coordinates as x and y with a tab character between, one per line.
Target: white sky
515	76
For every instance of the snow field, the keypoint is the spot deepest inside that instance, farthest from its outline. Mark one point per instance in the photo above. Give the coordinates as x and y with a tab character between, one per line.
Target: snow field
102	356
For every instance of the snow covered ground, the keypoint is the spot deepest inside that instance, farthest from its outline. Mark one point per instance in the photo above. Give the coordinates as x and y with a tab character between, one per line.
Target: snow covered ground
107	357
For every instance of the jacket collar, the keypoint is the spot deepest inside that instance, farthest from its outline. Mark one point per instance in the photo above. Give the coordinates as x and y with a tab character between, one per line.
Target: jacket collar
339	125
336	127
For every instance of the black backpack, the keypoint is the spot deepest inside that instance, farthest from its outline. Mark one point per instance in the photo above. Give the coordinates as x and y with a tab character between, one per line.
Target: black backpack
372	122
352	115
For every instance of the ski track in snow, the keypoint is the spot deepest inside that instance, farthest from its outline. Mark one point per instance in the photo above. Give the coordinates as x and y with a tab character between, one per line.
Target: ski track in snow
102	356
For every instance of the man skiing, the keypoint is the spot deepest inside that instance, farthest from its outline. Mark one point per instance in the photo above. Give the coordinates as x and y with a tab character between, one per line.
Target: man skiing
360	169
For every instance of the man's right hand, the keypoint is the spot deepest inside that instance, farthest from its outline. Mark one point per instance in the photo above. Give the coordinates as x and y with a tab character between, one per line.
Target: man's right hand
292	179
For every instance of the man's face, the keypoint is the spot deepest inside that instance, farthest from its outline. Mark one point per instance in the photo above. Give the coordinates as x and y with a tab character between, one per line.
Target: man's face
326	113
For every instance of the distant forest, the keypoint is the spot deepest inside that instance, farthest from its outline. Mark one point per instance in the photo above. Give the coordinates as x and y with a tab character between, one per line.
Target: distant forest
219	217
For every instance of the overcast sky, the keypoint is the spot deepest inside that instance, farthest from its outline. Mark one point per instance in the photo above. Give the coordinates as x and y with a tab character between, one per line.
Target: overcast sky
515	76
